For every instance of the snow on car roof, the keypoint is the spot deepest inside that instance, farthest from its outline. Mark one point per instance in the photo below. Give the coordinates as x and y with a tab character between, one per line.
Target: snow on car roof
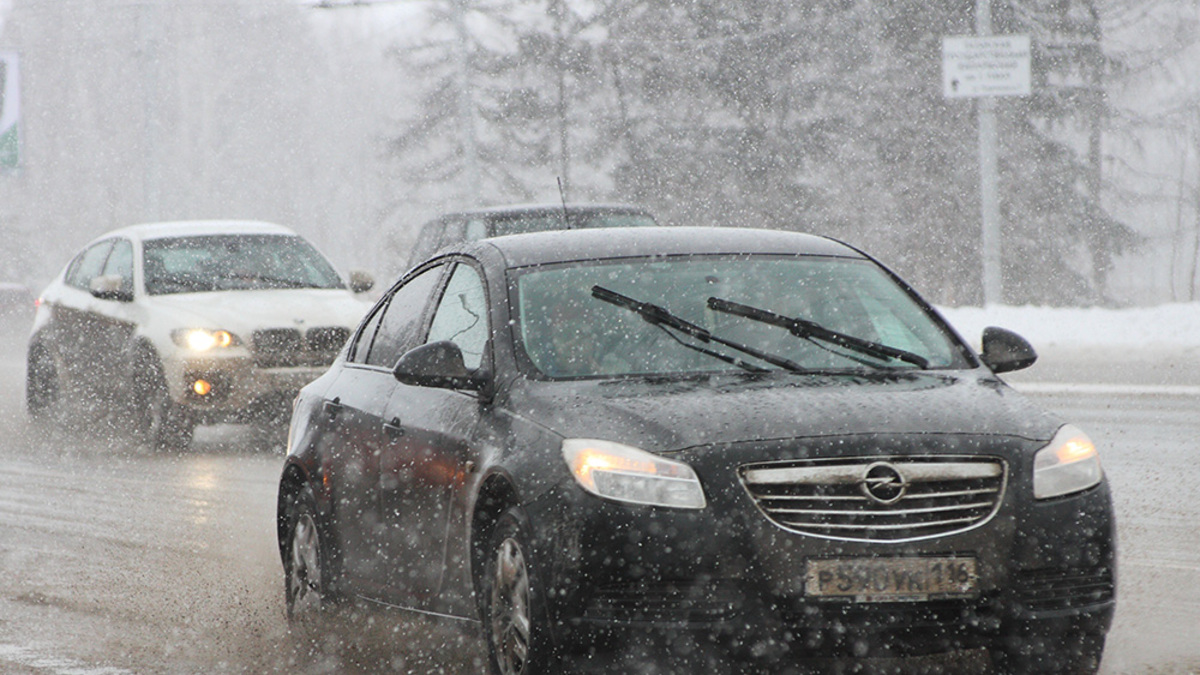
537	248
191	228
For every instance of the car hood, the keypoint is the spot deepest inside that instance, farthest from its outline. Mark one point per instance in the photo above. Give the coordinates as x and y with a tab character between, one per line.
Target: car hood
246	311
677	416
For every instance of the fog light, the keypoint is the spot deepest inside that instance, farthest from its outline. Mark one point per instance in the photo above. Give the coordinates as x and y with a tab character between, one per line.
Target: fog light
202	387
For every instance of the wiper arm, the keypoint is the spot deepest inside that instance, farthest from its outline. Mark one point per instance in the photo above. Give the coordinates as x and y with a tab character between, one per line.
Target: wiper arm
803	328
659	316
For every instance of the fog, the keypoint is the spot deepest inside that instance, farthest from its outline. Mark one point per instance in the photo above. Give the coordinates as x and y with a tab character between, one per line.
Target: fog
353	124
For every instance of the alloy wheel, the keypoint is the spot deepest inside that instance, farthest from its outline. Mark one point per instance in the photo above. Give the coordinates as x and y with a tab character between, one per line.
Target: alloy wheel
304	573
510	613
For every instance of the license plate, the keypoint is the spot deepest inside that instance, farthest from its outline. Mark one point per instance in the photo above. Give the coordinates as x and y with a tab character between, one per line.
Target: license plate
891	579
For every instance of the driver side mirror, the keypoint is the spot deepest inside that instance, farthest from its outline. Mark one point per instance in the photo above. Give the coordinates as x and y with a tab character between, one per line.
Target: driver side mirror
110	287
438	364
360	281
1004	350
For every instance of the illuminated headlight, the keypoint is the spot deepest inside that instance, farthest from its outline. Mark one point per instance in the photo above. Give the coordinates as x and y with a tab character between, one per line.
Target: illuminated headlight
1069	464
627	474
202	340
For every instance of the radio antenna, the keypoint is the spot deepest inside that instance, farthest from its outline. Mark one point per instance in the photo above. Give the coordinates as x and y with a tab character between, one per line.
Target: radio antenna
562	196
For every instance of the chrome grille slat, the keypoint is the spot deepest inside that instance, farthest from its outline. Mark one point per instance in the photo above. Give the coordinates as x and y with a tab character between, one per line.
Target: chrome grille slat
902	526
922	497
888	514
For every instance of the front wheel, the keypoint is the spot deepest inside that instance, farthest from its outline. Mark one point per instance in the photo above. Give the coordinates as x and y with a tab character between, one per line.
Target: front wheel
42	388
157	420
513	609
306	573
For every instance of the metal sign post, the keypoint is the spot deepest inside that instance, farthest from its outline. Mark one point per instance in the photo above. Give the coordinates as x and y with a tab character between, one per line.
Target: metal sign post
985	66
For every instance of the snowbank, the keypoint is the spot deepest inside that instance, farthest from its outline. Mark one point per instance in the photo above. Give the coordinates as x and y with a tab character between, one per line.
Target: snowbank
1170	326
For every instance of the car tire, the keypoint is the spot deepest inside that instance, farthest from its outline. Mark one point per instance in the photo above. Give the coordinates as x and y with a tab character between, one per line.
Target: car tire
512	604
1072	654
42	385
307	574
157	421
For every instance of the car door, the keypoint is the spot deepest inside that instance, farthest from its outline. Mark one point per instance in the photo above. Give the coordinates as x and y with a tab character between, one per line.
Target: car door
423	466
356	425
114	320
71	315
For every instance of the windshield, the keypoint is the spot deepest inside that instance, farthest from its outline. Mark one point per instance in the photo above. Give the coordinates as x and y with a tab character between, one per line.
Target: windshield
566	332
234	263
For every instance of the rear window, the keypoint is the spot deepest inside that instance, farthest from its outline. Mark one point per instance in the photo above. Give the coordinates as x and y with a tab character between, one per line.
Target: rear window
542	222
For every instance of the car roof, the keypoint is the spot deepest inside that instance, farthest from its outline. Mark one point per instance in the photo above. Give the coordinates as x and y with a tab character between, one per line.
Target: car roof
540	248
549	207
193	228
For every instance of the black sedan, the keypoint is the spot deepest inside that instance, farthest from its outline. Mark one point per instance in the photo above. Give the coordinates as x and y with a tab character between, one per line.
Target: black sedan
759	440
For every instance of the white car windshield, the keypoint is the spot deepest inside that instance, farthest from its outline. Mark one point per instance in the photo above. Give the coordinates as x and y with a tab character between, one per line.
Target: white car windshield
650	317
234	263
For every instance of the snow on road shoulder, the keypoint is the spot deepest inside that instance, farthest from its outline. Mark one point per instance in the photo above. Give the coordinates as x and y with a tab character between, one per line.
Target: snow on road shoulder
1171	326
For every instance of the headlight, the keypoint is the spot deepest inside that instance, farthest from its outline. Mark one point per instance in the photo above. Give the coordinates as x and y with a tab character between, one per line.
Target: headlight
202	340
1069	464
627	474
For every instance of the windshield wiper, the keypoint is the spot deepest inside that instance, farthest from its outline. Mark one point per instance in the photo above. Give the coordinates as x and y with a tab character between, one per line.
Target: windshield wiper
810	330
659	316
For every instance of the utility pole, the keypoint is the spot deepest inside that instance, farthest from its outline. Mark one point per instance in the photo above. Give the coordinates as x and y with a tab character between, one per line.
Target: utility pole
989	197
466	103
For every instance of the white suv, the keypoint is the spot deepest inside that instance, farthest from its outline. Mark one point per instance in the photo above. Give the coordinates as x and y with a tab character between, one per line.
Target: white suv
184	323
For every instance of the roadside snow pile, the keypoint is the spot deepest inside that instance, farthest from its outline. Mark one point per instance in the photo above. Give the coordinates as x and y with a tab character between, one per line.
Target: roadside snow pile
1173	325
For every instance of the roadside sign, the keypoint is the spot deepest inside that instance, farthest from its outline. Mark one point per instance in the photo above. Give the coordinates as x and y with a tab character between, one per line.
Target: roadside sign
995	65
10	111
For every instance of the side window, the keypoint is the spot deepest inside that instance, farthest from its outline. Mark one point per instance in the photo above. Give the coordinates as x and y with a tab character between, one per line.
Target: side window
362	344
400	323
461	316
476	229
88	266
120	263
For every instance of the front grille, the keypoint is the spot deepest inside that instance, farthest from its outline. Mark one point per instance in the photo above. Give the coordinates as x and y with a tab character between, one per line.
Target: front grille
878	498
288	347
1050	589
664	601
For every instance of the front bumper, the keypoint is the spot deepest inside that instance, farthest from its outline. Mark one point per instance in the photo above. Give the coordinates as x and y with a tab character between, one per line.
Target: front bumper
730	574
241	390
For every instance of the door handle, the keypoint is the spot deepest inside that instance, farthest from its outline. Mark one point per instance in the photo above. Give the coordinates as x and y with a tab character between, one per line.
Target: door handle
334	408
393	428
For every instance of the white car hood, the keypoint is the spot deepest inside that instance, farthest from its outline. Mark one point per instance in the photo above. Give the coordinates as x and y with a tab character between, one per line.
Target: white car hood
242	312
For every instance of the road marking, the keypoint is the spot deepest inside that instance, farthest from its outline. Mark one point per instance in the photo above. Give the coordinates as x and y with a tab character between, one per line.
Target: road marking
1108	389
21	656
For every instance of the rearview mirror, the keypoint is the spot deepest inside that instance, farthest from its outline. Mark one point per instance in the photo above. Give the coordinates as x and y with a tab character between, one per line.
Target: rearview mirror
438	364
1004	350
360	281
110	287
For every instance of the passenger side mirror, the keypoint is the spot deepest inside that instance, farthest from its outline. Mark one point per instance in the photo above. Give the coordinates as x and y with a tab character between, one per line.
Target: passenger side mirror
438	364
1004	350
110	287
361	281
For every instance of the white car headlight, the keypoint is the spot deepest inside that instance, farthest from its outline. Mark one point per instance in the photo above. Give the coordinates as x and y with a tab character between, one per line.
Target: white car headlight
627	474
1068	464
202	339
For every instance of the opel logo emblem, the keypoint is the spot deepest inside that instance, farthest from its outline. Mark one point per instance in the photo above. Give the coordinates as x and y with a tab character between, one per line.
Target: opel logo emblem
883	483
